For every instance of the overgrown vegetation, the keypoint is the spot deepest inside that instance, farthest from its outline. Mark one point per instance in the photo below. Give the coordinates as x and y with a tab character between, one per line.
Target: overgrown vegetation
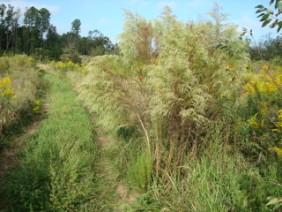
183	91
20	90
197	123
56	171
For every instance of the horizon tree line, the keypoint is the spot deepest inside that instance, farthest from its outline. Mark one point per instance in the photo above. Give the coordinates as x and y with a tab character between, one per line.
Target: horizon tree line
37	37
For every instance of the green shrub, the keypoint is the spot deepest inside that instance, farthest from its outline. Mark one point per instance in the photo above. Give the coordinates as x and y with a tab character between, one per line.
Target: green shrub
173	83
170	82
70	54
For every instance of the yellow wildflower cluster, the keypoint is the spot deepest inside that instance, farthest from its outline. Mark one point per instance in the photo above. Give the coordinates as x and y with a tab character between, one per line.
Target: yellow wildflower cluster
36	107
279	123
253	122
5	87
265	87
277	150
267	81
67	66
259	122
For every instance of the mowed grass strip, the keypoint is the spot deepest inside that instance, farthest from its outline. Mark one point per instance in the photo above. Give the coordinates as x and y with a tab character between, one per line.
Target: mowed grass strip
56	170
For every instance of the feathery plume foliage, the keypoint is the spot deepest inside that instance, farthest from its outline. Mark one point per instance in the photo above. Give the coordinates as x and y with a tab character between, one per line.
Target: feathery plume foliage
169	83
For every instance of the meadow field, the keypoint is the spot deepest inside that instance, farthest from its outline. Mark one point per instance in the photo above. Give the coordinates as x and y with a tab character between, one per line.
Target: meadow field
180	118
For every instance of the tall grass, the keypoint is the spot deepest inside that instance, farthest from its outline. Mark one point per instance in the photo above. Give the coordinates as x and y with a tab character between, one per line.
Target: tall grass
56	171
218	179
140	171
20	88
172	84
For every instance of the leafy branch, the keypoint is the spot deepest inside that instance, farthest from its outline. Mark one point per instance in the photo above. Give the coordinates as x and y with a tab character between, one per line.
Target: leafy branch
270	17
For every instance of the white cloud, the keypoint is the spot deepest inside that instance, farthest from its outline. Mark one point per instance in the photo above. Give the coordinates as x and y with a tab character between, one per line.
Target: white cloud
23	4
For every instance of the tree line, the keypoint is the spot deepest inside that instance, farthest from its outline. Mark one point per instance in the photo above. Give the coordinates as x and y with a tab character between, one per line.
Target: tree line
30	32
37	37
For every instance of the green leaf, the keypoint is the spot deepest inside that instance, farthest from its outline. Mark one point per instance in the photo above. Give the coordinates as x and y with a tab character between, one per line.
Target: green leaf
271	2
264	17
279	23
261	10
273	25
243	33
266	22
259	6
261	15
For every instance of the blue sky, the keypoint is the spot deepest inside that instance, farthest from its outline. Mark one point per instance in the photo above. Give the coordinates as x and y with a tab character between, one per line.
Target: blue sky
107	15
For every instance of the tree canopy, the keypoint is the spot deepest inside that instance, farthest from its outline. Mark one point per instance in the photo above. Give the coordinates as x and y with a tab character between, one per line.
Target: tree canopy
37	37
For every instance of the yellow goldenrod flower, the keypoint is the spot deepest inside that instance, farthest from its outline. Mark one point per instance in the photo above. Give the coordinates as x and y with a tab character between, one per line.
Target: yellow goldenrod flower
279	123
277	150
253	122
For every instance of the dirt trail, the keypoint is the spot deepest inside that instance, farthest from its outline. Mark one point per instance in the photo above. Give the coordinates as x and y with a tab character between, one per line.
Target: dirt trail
110	174
8	155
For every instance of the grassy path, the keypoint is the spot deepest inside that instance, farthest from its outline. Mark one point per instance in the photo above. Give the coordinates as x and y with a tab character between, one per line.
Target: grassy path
121	196
9	155
57	168
62	167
